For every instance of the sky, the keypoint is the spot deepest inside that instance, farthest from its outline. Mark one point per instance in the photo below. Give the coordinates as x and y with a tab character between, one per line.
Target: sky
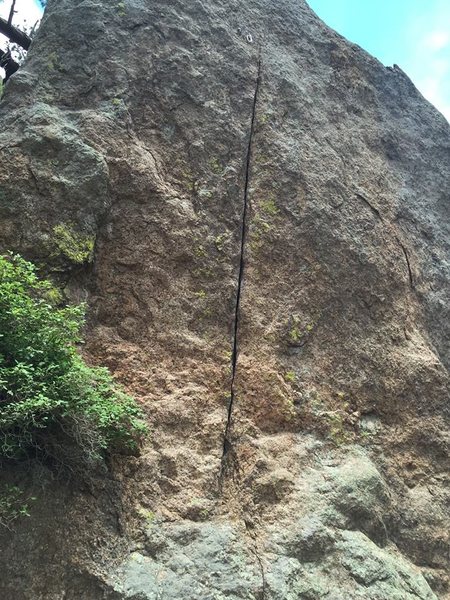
415	34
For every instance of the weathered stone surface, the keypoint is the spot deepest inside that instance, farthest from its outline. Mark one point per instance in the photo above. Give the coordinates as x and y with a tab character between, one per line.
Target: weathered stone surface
196	561
129	125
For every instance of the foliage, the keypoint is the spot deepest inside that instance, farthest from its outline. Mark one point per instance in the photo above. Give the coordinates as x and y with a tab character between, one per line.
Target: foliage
13	504
290	376
51	402
295	334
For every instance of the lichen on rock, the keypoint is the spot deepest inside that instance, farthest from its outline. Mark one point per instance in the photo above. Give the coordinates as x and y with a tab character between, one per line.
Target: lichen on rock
77	248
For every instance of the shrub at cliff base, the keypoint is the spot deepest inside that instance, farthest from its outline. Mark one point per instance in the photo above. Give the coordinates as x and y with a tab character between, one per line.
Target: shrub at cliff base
52	404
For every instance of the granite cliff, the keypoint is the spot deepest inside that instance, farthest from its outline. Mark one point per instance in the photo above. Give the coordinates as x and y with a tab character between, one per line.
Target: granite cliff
266	208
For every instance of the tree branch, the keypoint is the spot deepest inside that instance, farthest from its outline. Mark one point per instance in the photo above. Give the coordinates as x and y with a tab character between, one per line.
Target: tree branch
11	12
14	35
8	63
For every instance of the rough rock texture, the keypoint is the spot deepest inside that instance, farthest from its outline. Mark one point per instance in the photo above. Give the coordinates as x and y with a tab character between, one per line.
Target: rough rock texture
269	211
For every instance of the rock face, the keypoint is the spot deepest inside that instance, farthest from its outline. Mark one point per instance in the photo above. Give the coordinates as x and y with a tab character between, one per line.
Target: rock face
268	208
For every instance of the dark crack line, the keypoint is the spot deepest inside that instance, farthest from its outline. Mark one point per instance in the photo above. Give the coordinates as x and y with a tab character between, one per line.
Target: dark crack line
263	574
255	551
227	446
370	206
377	213
410	273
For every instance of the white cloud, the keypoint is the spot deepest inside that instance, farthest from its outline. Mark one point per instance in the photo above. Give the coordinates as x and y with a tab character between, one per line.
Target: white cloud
436	40
428	62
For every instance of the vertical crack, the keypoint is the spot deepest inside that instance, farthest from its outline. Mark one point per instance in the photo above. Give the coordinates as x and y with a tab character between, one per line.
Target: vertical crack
410	273
263	575
227	446
255	551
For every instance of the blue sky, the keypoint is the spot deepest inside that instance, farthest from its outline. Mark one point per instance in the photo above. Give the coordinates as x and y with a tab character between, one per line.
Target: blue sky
415	34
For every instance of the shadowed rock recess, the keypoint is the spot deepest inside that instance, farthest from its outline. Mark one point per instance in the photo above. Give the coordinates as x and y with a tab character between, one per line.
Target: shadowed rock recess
269	208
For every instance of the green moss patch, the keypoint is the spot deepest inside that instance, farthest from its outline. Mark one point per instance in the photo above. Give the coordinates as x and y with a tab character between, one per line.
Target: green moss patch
78	248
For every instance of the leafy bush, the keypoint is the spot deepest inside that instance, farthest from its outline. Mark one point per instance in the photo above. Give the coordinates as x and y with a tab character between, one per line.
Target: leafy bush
13	504
51	402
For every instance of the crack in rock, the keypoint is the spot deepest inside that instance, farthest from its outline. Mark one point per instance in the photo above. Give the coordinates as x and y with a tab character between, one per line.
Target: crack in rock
227	445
